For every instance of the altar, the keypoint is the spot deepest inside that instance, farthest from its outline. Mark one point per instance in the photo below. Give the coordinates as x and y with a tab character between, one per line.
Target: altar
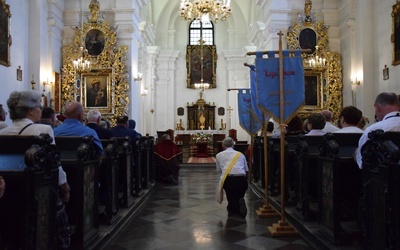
191	147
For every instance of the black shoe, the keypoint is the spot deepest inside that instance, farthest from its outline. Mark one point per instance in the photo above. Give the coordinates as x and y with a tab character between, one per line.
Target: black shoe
242	208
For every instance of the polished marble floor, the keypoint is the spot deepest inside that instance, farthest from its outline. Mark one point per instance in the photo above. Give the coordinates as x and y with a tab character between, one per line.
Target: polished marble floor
187	216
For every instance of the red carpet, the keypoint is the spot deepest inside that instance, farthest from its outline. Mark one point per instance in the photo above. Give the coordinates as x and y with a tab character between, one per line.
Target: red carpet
206	160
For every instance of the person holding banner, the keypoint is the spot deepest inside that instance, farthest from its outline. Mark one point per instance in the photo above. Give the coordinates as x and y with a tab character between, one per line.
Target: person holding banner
233	167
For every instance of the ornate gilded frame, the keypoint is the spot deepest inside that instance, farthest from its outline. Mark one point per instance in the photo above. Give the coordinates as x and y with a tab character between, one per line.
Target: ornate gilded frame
193	65
395	38
110	56
5	37
100	98
329	74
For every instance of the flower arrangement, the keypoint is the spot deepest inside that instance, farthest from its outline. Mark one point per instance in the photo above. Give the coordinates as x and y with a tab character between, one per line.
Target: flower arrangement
202	137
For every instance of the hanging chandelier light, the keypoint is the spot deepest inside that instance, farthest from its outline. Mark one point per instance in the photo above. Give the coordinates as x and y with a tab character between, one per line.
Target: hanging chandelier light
202	86
205	10
81	64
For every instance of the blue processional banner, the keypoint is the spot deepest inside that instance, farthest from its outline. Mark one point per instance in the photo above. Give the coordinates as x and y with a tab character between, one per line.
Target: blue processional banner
258	113
268	87
247	119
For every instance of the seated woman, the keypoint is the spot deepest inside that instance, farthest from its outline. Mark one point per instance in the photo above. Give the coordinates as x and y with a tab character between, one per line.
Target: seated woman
166	160
25	109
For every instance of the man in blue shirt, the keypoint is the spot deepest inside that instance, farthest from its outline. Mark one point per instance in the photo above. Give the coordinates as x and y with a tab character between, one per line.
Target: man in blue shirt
73	126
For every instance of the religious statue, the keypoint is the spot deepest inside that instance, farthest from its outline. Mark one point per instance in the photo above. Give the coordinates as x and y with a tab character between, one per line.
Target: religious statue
307	8
94	8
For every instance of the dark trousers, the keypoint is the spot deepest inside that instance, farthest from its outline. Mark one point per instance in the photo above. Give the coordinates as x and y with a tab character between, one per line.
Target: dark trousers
235	188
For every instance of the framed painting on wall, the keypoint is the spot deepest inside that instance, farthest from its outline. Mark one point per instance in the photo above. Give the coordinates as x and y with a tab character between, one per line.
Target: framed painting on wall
194	68
312	89
97	91
5	37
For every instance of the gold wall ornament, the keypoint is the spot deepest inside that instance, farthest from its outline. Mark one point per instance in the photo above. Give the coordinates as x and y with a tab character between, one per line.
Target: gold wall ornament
320	64
108	63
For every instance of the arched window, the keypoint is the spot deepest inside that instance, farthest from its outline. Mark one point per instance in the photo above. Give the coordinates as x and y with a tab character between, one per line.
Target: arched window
198	29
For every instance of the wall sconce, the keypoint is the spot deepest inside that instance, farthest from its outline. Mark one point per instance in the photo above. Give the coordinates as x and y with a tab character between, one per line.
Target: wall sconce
33	83
138	78
356	82
44	85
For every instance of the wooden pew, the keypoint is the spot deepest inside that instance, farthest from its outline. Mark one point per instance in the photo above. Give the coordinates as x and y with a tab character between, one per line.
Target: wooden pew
29	166
109	180
258	160
340	184
306	167
126	175
146	160
274	164
381	185
81	163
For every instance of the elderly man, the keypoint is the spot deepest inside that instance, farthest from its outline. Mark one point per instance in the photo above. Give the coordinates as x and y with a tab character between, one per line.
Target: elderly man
93	121
233	167
388	117
73	126
329	127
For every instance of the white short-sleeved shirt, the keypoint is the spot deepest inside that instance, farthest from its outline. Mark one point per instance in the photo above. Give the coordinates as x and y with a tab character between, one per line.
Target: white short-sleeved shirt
391	122
224	158
34	129
350	129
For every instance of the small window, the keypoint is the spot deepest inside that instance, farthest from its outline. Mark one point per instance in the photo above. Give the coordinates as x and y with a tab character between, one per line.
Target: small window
198	29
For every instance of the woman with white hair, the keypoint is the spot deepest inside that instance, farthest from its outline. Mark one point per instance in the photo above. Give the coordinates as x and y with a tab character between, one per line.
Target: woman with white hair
25	109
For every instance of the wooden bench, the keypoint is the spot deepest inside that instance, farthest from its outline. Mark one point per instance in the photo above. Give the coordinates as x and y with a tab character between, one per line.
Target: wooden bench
306	175
126	173
381	185
29	167
339	184
109	180
274	164
81	163
146	160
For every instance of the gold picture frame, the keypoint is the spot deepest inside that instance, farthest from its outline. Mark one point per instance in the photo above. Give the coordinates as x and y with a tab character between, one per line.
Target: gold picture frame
395	38
312	89
96	91
5	37
193	65
107	61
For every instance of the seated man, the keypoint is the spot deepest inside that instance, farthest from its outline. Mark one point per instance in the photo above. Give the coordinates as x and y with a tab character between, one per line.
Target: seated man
48	117
348	120
122	130
166	160
315	124
73	126
93	122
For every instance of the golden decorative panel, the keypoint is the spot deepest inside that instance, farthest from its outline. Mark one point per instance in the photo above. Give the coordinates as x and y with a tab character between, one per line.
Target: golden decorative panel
107	68
395	38
322	69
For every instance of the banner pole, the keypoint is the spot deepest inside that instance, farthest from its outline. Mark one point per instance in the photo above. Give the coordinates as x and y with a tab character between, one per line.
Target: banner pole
266	211
282	228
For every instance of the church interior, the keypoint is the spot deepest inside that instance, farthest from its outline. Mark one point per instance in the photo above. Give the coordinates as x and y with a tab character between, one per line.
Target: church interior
178	72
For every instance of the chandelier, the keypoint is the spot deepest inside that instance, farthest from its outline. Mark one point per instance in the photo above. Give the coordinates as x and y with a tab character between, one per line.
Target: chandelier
202	86
81	64
205	10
